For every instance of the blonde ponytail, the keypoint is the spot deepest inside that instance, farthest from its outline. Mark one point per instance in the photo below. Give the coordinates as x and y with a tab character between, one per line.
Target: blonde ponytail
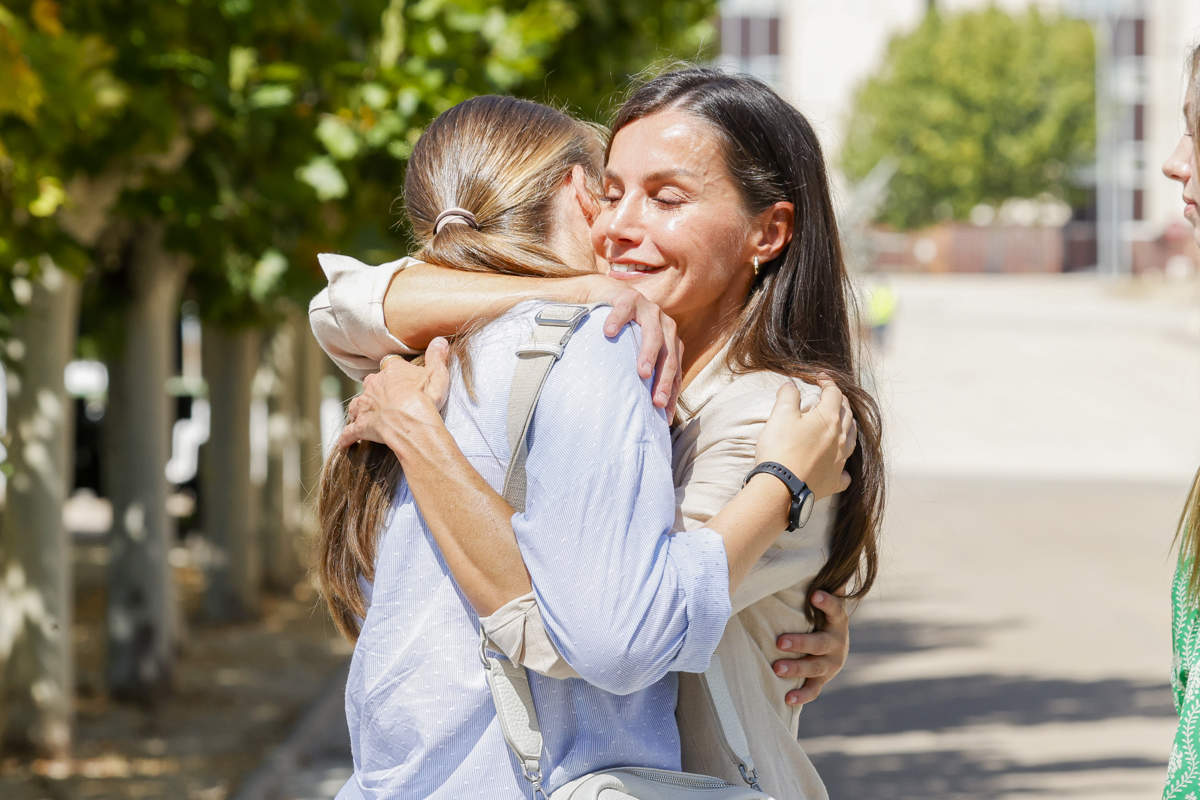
480	192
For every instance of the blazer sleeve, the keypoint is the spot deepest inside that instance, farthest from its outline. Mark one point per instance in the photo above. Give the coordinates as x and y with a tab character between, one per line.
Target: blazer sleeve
724	453
347	315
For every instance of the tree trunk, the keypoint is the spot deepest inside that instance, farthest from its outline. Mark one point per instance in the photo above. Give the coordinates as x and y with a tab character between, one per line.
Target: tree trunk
311	367
36	666
234	580
283	519
142	615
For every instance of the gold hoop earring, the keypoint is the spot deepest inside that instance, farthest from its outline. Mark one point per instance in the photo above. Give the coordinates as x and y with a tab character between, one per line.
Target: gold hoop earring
756	266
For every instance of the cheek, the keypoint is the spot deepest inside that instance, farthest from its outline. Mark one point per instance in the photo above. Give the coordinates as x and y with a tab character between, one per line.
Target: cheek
599	226
714	245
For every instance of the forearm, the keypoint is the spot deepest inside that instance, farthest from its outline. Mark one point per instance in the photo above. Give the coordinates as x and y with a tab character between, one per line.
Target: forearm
750	523
469	520
425	301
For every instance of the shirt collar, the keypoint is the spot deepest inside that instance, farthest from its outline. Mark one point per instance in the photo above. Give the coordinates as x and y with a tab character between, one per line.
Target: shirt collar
713	378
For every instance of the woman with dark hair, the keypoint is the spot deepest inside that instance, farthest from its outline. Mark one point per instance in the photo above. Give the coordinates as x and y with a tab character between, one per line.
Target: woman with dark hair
1183	769
715	206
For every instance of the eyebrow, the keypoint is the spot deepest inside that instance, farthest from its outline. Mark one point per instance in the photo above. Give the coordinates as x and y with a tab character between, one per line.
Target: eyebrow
659	176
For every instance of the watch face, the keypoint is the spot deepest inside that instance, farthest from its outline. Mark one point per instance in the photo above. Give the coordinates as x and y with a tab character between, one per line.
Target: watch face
806	507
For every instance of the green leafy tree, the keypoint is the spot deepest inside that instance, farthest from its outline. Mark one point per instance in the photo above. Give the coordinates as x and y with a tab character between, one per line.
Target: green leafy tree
613	40
59	95
976	107
209	149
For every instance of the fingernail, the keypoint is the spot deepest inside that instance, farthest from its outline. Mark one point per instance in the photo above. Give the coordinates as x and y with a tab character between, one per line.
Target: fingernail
780	669
819	598
785	644
646	367
791	701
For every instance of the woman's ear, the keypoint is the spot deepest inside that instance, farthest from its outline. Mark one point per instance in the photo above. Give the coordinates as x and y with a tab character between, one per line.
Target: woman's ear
773	230
583	194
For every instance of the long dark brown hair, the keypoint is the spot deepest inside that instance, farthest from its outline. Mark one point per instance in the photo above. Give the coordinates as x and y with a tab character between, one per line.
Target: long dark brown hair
504	160
797	318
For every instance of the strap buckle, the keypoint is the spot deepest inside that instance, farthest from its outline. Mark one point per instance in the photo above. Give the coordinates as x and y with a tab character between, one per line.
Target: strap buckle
483	656
560	315
536	349
532	770
751	777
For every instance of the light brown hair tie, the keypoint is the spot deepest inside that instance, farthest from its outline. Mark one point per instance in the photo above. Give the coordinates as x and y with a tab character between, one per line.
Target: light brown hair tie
456	215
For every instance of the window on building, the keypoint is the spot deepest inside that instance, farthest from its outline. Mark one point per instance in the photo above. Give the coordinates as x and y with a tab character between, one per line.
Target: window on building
751	43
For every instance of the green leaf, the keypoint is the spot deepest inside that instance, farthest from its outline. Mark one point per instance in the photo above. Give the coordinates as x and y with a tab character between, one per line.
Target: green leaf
271	96
338	137
268	273
391	42
242	61
375	95
50	196
324	177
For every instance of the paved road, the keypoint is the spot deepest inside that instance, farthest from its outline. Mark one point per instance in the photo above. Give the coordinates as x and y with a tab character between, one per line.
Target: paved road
1042	433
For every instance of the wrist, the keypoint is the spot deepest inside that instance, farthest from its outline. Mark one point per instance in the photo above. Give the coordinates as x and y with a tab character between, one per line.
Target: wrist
801	498
773	496
412	427
596	288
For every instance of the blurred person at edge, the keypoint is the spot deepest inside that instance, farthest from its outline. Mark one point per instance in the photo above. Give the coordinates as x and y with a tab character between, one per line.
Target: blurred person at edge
695	156
1183	768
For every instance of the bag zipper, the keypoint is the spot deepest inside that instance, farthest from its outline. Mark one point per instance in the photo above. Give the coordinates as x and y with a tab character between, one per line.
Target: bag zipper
677	778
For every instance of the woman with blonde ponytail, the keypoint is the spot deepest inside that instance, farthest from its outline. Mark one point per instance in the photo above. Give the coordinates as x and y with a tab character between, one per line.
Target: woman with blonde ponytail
1183	768
416	543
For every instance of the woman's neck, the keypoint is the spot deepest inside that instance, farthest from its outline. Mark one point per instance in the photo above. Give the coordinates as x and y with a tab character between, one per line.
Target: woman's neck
701	343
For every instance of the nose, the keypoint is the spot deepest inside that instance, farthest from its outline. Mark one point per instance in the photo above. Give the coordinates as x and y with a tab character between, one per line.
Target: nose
625	222
1178	166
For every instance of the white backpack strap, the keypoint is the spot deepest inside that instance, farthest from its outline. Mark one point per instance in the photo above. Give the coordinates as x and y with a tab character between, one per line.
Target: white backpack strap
733	735
509	682
555	323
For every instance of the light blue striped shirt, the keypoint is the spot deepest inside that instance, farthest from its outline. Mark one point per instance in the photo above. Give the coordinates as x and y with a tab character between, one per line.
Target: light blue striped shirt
626	602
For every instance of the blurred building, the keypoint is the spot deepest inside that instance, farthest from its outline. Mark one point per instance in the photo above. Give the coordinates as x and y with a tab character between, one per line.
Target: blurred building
816	53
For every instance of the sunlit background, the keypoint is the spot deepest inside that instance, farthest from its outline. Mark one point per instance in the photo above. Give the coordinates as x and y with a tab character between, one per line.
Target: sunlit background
1031	317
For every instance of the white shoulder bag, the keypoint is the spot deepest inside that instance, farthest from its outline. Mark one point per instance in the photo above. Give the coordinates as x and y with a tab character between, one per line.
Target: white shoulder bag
509	682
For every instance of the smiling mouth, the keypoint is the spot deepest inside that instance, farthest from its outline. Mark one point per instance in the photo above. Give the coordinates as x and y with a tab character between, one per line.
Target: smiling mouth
632	269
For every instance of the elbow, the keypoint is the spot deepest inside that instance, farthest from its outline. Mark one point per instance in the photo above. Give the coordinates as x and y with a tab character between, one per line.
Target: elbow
617	668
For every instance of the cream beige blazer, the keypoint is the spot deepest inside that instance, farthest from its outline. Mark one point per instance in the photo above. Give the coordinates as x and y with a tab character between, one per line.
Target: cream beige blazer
717	423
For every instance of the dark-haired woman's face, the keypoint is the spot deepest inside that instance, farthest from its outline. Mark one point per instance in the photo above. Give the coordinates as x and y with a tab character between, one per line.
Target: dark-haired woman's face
672	221
1181	166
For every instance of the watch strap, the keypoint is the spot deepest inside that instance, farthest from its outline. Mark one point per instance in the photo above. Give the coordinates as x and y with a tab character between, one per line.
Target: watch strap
798	489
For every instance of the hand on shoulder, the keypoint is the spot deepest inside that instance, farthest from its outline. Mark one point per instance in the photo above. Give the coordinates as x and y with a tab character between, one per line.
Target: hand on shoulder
813	444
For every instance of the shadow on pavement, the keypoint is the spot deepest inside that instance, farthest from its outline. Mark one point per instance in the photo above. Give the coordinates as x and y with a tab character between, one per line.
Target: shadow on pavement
948	774
941	703
960	701
938	704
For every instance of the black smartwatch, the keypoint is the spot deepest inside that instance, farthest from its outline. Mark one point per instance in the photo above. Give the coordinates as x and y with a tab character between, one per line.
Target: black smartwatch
803	499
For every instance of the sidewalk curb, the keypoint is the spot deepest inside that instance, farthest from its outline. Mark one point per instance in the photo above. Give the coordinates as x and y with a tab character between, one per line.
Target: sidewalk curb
326	712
